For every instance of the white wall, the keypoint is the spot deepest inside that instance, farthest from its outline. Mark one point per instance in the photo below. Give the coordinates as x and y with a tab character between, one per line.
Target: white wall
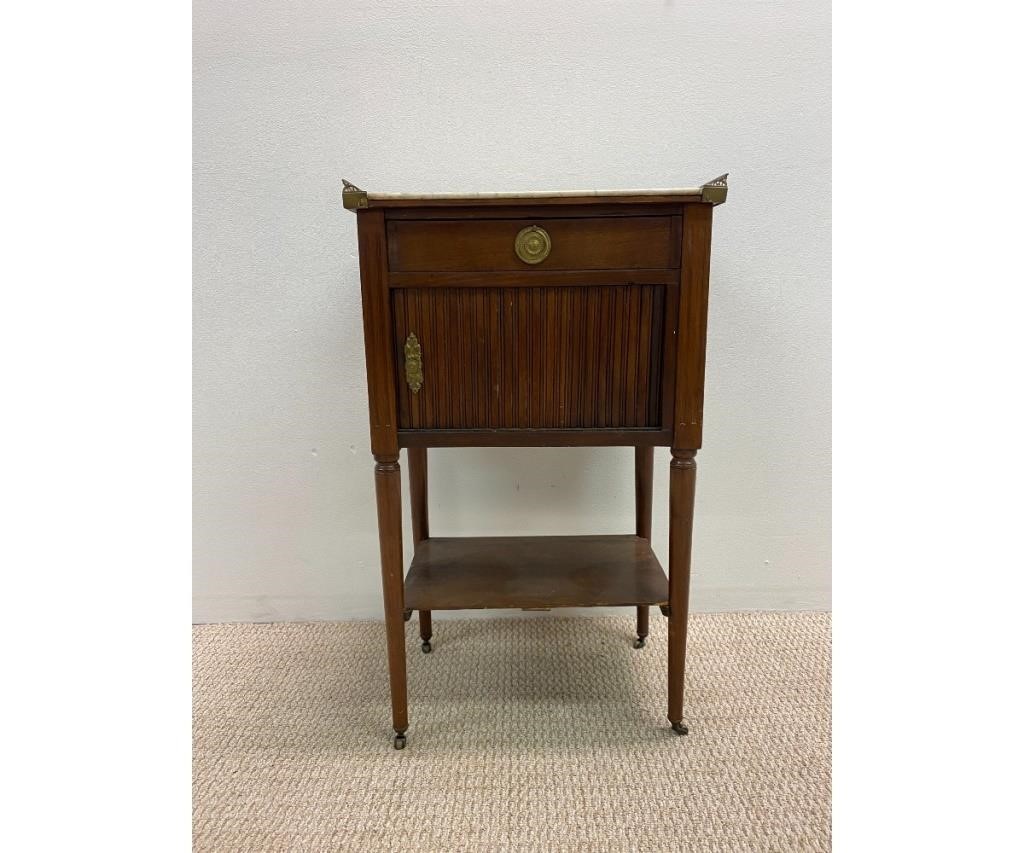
525	95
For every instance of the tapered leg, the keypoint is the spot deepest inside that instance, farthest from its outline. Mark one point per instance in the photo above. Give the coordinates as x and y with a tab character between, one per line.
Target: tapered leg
388	480
420	520
682	487
644	464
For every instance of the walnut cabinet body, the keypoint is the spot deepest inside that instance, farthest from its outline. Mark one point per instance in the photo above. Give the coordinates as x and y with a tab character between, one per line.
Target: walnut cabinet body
573	319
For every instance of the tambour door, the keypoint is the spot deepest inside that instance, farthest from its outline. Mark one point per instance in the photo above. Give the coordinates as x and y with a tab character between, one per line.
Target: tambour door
522	357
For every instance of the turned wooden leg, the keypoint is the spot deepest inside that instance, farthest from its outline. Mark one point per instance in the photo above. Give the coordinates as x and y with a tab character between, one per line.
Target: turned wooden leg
388	481
420	521
682	487
644	465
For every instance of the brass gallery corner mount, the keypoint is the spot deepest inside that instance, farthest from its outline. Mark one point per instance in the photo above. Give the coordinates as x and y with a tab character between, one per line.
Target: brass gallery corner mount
716	190
353	197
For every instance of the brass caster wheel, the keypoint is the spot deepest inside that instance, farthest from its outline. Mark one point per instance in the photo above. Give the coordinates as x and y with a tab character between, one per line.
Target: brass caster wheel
425	645
680	729
400	740
639	642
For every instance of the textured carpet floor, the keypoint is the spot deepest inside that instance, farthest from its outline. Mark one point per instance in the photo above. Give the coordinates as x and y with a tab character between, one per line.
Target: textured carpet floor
525	735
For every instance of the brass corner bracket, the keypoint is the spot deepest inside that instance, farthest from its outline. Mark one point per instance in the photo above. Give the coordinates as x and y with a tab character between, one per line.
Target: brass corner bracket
353	197
715	191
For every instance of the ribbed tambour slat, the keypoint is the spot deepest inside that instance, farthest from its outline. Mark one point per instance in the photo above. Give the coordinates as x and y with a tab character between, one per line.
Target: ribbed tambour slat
532	357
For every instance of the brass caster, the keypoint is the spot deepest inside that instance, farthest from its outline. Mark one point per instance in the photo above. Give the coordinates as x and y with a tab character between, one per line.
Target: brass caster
425	645
680	729
639	642
400	740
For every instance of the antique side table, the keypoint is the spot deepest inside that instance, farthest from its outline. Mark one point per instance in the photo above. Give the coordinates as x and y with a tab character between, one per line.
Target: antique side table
529	320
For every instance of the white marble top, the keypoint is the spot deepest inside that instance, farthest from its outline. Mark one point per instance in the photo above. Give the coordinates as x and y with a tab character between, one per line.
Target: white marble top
554	194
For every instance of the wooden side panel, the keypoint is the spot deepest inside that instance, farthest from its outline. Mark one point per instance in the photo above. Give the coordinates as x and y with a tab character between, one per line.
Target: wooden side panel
377	331
532	358
693	323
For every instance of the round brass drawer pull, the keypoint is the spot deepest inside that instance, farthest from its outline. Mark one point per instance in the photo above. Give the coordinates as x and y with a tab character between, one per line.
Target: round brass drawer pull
533	245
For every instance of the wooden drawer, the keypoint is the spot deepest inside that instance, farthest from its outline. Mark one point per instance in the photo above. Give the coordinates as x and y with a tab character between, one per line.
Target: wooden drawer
479	245
532	358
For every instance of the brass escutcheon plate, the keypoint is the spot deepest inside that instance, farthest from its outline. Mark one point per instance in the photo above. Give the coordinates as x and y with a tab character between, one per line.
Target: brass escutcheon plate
533	245
413	364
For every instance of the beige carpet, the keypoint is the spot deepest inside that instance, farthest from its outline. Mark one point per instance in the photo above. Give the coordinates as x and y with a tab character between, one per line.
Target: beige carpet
541	734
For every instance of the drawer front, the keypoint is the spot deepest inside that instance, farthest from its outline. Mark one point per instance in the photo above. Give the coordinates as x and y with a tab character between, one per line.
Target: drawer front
581	357
478	245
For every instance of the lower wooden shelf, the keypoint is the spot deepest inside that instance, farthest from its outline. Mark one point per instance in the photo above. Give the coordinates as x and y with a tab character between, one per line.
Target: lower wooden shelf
534	572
